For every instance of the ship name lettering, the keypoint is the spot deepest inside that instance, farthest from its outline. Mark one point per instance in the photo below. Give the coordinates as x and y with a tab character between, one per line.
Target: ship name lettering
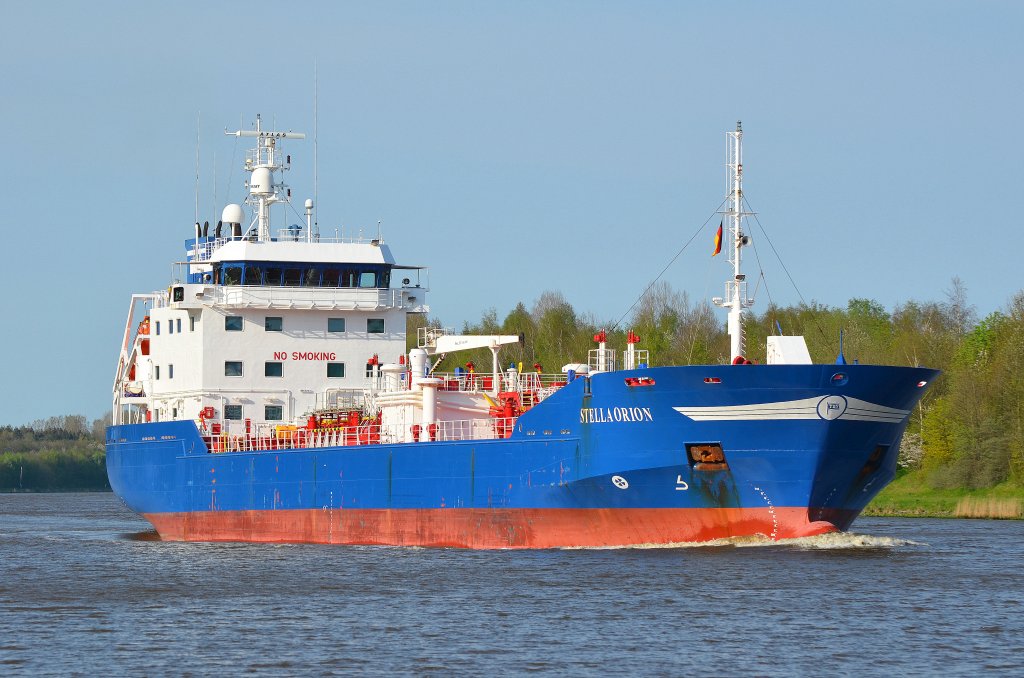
604	415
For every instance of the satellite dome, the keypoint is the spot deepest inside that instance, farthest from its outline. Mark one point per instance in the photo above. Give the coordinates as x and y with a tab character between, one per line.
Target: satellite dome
261	182
232	214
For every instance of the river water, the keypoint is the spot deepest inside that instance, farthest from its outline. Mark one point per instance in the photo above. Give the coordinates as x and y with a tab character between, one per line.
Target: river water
85	588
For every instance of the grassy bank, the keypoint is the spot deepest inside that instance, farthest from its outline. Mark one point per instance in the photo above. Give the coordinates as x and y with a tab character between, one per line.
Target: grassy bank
910	496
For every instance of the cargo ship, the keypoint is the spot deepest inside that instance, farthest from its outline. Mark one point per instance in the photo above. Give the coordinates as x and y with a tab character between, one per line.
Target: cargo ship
267	395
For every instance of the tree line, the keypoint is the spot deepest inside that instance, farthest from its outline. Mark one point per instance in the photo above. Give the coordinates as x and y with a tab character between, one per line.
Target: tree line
968	431
53	454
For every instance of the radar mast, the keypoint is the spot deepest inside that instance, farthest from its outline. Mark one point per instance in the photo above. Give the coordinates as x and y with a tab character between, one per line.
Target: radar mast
262	163
736	299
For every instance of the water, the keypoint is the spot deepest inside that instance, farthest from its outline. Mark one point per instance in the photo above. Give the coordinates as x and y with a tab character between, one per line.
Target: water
84	588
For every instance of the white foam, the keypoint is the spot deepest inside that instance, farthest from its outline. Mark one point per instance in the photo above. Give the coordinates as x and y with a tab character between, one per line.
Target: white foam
824	542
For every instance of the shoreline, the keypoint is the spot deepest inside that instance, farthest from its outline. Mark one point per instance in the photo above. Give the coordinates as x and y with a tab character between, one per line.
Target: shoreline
910	496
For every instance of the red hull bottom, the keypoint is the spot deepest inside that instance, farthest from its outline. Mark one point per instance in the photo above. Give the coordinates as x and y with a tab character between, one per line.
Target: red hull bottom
488	528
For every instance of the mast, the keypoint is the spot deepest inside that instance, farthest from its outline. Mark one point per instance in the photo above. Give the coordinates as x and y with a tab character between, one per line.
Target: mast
261	163
736	289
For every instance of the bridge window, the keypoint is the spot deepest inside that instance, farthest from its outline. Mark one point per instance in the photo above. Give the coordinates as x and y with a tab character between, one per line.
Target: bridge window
232	275
233	412
273	324
232	368
273	276
335	370
375	325
312	274
332	277
233	323
273	369
253	275
335	324
273	412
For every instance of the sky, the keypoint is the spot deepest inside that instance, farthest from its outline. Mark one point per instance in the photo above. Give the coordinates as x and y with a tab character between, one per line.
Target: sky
513	148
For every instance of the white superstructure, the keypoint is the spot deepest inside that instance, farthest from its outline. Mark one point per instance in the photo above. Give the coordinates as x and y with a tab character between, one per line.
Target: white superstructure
261	326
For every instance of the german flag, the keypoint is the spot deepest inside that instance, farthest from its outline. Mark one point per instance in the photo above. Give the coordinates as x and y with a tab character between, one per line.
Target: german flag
718	240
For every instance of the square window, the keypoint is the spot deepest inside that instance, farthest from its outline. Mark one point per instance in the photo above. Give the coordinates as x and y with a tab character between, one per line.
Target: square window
375	325
233	323
273	324
273	369
335	324
233	412
331	276
336	370
273	413
253	275
232	368
273	277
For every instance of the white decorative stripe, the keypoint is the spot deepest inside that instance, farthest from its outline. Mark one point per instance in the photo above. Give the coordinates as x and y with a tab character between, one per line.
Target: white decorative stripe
828	408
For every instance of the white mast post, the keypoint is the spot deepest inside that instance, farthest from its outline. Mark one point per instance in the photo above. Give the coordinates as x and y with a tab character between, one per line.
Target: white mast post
736	289
262	163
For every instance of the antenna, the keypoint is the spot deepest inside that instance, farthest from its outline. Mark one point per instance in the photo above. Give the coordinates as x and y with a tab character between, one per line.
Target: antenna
199	115
316	163
213	202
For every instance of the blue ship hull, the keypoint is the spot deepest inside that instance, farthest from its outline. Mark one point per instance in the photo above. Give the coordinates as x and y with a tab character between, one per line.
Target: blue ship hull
599	462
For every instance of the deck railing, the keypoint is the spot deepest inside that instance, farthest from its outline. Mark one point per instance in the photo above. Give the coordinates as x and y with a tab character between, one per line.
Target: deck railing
291	438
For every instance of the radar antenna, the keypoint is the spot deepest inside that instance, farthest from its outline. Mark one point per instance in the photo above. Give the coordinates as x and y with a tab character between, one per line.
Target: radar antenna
262	163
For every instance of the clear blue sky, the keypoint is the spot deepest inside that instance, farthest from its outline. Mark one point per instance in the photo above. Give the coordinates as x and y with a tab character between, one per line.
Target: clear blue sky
512	147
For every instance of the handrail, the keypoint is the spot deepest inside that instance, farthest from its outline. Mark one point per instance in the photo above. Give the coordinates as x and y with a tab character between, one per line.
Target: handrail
294	438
